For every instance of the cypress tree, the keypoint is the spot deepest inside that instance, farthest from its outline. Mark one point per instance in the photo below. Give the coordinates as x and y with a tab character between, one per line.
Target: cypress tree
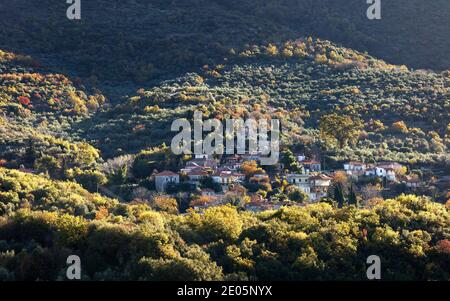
352	199
339	195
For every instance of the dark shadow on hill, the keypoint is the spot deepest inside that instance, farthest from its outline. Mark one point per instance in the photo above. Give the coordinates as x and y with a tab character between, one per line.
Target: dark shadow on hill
143	42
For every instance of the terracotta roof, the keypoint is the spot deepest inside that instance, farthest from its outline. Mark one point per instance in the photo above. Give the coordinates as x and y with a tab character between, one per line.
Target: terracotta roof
321	177
356	163
294	175
197	172
311	162
166	173
389	164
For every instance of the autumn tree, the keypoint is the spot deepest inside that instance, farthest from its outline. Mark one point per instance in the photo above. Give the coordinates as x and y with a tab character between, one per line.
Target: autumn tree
272	50
164	203
237	196
400	127
201	200
250	168
89	179
340	178
222	223
49	165
158	158
371	191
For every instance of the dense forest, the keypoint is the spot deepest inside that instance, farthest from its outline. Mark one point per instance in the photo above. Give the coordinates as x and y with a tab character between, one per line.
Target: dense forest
49	220
151	39
85	114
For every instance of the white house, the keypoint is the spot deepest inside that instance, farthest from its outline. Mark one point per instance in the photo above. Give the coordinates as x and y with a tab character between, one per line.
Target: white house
312	165
227	177
413	182
260	175
390	174
201	163
300	180
233	162
355	168
384	170
164	178
386	165
301	157
376	172
319	186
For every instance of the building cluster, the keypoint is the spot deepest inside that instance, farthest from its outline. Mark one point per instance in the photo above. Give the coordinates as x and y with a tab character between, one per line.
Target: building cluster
223	172
315	185
227	173
313	181
387	170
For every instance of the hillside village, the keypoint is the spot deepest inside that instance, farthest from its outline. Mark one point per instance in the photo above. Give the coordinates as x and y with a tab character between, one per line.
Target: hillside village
215	180
87	166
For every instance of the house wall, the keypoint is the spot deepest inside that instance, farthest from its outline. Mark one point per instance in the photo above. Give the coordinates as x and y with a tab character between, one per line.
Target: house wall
161	182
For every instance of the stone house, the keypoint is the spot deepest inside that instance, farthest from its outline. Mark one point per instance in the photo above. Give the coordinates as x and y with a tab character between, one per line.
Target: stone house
162	179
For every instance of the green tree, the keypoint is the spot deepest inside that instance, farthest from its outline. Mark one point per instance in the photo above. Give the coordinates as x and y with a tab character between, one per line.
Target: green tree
339	195
158	158
297	195
352	199
219	223
90	179
339	130
49	165
290	162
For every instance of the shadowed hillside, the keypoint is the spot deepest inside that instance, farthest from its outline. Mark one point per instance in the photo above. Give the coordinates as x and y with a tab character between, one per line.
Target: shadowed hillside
145	40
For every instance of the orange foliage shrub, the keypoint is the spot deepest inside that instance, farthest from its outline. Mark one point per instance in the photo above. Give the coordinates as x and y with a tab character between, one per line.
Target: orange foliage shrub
102	213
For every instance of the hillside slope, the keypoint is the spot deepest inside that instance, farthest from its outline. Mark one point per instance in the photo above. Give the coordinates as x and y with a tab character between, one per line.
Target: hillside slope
298	81
146	40
38	109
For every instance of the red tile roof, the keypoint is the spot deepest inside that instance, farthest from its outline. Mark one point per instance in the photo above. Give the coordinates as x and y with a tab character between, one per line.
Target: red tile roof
311	162
166	173
197	172
356	163
321	177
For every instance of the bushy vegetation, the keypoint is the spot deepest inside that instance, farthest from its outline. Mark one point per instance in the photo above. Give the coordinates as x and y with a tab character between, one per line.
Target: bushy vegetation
27	191
26	90
46	221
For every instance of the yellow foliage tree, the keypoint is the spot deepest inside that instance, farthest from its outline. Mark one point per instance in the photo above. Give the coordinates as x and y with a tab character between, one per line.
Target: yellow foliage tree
166	204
